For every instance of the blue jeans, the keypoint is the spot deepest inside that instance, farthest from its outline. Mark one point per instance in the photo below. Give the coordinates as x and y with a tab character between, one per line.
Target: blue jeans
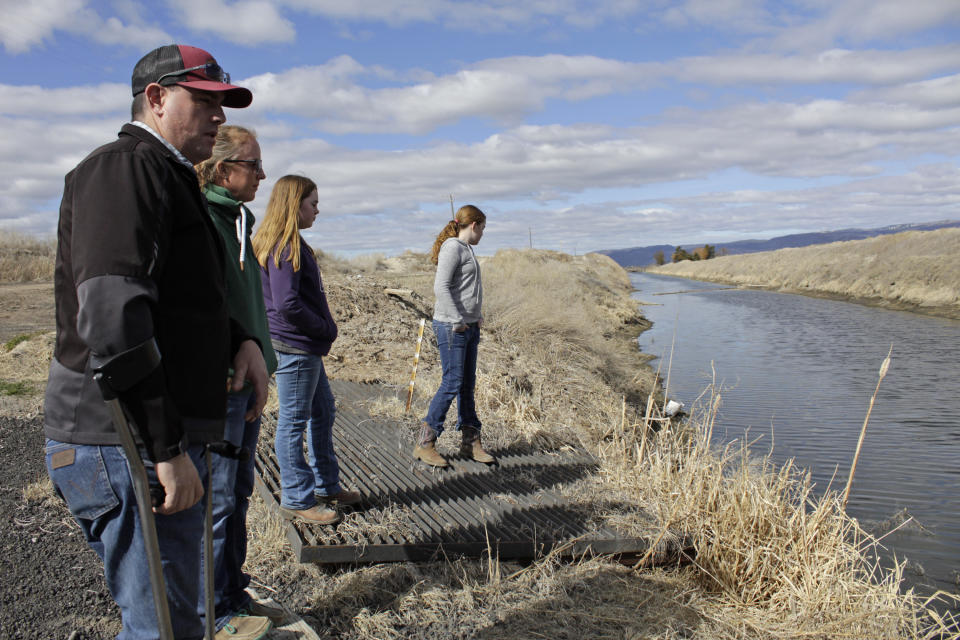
231	485
306	406
458	357
95	482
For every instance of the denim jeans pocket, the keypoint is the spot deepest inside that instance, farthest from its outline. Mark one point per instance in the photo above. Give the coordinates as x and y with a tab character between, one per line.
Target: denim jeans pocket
80	475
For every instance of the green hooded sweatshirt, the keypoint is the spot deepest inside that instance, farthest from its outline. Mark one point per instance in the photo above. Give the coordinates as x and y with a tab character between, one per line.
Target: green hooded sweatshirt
244	291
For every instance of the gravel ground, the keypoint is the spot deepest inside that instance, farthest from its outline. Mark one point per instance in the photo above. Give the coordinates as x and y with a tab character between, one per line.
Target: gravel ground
51	583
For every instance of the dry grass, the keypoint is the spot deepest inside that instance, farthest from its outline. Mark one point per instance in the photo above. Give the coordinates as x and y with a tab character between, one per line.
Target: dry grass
914	269
782	561
558	366
24	258
39	491
560	352
24	362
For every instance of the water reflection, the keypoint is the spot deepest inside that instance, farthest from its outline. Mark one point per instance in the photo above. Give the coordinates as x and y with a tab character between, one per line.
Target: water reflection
799	372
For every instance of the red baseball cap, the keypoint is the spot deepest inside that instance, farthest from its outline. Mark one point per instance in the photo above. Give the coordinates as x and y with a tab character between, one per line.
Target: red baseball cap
187	67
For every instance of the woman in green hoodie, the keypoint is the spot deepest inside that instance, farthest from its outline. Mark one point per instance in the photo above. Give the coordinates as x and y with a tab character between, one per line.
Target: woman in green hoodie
229	178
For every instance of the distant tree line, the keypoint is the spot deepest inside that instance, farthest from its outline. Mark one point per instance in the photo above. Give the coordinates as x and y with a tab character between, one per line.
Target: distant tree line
701	253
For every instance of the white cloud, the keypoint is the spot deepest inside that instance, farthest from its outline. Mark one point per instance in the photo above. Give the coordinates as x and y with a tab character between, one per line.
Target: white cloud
495	15
816	25
547	165
26	25
505	90
933	93
864	21
925	194
577	186
248	22
814	139
928	193
329	94
743	16
37	155
830	66
33	100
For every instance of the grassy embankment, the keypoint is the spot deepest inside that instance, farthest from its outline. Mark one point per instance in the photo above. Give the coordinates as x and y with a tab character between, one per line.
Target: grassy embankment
24	258
557	361
914	270
558	366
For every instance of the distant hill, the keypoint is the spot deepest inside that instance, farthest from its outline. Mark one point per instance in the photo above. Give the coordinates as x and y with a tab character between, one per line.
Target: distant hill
644	256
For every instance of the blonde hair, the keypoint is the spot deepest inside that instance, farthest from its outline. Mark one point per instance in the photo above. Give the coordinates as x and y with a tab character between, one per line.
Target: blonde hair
229	140
466	215
280	227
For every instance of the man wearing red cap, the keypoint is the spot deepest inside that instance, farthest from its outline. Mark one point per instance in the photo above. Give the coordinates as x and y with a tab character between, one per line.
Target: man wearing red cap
140	298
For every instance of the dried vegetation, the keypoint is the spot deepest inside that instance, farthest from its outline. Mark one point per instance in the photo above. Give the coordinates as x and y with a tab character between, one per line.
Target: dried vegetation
558	367
24	258
915	270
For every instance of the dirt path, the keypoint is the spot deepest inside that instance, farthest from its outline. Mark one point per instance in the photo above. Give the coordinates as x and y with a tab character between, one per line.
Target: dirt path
25	308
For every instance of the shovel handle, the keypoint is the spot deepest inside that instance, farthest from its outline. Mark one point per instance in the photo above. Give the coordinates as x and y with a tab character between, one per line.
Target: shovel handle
141	488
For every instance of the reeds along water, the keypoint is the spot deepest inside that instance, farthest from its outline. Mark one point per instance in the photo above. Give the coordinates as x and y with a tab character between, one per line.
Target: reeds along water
789	562
558	365
779	558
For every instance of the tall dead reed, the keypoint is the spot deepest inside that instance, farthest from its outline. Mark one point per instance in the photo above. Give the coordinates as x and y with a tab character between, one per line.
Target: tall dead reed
782	560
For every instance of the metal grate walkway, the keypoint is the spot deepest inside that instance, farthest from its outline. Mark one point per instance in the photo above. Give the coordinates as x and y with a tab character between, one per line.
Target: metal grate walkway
412	512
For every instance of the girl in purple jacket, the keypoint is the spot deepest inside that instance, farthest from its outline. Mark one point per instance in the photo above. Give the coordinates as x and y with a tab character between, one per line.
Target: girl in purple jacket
301	330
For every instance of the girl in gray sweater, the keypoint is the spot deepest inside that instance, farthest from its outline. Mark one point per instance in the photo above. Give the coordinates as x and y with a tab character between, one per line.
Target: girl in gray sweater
457	318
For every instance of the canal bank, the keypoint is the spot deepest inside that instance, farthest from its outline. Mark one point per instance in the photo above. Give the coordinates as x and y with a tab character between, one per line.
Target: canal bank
915	271
796	375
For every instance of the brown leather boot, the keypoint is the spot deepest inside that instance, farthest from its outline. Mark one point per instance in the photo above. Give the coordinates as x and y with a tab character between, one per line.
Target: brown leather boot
426	451
472	448
316	514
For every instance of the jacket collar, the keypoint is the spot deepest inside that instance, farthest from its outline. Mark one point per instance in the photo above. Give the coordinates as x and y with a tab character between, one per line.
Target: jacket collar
225	205
220	195
140	129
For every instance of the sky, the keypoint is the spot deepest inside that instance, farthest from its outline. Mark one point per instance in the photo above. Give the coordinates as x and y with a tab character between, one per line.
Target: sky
574	125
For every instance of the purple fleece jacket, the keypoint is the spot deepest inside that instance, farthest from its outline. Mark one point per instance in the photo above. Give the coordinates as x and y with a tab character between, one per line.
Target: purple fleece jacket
296	304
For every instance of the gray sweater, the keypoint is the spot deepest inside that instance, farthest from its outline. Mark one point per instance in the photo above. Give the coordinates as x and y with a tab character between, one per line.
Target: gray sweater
457	285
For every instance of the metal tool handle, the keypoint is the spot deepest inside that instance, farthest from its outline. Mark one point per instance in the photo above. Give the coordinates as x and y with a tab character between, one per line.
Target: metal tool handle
210	616
141	488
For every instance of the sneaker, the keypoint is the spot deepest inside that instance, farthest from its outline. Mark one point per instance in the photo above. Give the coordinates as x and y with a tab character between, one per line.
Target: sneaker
244	627
264	610
344	498
317	515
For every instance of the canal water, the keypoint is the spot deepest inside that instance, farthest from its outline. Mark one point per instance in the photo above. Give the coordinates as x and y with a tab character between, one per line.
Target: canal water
797	374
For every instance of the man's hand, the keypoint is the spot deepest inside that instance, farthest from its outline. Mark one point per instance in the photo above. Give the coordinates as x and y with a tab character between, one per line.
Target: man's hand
248	364
181	484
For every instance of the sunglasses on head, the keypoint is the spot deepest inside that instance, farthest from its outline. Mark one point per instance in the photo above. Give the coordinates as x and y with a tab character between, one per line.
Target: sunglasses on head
211	70
257	164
